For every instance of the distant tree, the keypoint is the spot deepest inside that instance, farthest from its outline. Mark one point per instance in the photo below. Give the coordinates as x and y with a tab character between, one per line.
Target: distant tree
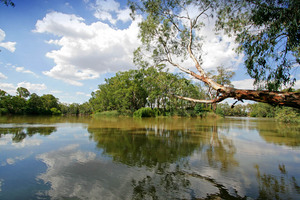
35	104
73	109
85	108
7	3
17	105
134	89
49	102
2	93
23	92
222	76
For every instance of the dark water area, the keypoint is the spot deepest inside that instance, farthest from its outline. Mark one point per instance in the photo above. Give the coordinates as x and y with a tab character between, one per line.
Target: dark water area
165	158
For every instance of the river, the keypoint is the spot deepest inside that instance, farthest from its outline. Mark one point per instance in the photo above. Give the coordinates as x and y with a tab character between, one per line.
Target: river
155	158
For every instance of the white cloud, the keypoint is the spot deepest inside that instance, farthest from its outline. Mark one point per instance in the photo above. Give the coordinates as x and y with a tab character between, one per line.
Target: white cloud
110	10
87	50
89	177
8	87
218	49
56	91
10	46
2	76
83	94
244	84
32	87
23	70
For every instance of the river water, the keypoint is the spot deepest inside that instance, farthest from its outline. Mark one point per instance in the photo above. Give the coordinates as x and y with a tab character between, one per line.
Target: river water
164	158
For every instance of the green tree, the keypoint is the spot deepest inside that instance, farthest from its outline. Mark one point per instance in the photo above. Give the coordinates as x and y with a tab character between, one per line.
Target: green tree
85	108
35	104
23	92
222	76
49	102
134	89
122	92
73	109
2	93
169	31
8	3
261	110
268	32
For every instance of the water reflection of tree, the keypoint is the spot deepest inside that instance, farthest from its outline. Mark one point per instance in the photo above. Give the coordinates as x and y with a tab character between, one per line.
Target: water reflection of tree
20	133
144	147
220	149
280	133
175	184
276	187
165	154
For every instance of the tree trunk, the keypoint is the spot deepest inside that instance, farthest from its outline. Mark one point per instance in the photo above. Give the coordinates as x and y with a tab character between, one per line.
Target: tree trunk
290	99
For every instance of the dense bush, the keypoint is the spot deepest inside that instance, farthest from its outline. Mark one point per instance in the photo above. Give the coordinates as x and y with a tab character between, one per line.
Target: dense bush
287	115
144	112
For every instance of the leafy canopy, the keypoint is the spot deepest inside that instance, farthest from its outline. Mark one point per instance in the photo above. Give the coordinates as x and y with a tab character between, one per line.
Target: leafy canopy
267	31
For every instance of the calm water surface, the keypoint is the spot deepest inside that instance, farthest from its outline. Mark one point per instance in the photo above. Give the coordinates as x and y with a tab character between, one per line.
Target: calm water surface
116	158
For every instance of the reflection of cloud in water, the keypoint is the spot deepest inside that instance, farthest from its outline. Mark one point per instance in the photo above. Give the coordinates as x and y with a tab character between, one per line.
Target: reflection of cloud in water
12	161
8	140
1	183
28	142
5	140
74	173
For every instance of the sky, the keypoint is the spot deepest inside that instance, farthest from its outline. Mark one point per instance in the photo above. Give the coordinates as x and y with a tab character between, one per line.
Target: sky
68	47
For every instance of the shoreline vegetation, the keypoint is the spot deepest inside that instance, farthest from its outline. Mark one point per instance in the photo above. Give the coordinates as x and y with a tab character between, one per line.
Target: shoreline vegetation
141	93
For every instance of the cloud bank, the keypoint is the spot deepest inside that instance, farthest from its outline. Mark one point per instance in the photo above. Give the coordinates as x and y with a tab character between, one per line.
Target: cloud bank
87	50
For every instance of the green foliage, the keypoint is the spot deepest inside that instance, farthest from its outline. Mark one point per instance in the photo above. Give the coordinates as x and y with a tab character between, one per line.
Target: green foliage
226	110
222	75
122	92
144	112
55	111
201	110
262	110
23	92
33	104
146	87
288	115
8	3
49	101
268	34
113	113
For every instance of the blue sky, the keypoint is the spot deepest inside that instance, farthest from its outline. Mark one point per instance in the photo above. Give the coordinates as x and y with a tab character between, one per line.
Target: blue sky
68	47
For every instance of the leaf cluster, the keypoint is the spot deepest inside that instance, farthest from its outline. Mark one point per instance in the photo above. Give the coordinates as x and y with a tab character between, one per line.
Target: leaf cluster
268	32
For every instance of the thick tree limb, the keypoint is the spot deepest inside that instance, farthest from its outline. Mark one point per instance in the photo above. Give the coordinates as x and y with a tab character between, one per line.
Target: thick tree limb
290	99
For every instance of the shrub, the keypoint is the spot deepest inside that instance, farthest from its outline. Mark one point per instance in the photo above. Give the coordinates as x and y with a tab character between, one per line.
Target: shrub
55	111
287	115
144	112
113	113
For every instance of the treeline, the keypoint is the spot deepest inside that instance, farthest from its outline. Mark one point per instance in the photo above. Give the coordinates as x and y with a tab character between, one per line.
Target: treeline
132	90
33	104
285	114
141	93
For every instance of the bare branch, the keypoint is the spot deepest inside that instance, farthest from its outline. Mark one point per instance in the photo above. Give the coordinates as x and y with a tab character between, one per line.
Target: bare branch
221	98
